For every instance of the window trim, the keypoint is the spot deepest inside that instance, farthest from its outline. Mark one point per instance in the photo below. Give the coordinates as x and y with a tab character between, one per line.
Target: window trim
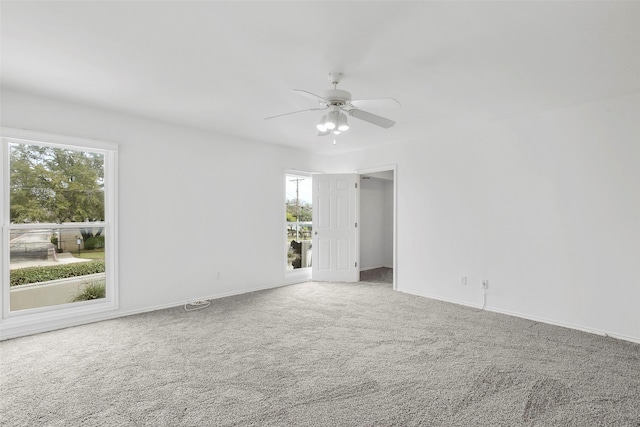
299	273
50	317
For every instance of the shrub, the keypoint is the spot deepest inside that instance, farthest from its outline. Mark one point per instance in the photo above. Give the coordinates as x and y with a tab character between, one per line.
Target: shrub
93	290
94	242
22	276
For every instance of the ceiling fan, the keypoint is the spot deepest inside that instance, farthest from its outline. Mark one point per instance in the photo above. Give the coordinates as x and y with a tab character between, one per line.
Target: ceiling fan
340	104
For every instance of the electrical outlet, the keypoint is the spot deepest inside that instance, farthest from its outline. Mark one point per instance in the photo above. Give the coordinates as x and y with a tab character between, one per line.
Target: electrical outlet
485	284
463	280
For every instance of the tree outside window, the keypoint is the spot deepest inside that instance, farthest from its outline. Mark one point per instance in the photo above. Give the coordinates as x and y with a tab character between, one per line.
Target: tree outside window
58	229
298	221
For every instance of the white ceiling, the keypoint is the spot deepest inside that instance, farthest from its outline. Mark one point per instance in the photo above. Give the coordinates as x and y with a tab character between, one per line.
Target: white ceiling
224	66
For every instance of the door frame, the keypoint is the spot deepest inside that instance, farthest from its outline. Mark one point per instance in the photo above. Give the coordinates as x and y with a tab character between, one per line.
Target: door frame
394	169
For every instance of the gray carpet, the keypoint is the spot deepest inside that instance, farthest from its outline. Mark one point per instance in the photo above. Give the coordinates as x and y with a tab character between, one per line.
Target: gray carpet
320	354
377	275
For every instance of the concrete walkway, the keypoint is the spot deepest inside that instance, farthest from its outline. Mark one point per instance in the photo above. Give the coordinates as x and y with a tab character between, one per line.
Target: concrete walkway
63	258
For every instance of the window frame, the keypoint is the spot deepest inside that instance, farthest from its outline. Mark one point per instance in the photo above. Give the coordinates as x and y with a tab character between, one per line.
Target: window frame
304	272
35	316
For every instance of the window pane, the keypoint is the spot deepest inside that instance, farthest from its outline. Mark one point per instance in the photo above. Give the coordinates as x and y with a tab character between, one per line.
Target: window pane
53	266
299	245
298	198
55	185
298	227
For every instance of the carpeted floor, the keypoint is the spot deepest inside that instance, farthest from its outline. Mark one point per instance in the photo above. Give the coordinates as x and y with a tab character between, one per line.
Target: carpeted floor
320	354
377	275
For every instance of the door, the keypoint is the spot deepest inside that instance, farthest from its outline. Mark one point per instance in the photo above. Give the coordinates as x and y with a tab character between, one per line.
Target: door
335	237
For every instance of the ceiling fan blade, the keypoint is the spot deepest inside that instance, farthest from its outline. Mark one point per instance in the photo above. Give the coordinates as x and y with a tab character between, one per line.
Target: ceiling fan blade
371	118
311	96
295	112
376	103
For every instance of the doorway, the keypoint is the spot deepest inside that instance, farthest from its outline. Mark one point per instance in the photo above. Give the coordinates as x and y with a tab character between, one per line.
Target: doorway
378	225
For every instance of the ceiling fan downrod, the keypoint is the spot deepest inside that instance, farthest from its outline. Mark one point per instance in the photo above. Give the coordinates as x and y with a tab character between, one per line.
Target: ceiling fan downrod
334	78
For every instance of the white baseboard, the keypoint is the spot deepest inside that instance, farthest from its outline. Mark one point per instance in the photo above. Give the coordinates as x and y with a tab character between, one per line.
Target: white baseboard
529	317
287	282
15	331
17	328
373	268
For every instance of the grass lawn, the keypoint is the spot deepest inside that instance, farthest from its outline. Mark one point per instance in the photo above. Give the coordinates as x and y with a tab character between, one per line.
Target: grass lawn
90	254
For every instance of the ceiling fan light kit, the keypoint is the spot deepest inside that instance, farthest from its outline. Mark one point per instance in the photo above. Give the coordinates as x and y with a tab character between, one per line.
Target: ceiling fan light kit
321	126
332	118
343	125
339	102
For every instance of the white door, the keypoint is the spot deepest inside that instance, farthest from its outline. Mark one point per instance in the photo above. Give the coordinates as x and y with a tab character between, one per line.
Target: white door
335	236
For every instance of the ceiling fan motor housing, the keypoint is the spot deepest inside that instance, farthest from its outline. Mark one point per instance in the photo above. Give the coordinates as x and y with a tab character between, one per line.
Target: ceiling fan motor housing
337	96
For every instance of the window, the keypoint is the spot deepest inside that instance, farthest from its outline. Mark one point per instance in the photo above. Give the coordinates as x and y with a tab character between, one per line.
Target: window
298	225
58	225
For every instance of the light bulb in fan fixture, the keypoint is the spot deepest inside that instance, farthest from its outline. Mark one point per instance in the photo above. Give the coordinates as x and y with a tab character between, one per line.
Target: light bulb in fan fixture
343	125
321	126
332	120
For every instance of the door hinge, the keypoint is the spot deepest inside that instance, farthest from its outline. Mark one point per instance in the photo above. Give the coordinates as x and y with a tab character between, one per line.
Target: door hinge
356	225
356	184
356	263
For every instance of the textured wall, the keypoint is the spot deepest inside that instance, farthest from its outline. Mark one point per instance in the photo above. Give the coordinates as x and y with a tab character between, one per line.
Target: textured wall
191	203
376	220
546	207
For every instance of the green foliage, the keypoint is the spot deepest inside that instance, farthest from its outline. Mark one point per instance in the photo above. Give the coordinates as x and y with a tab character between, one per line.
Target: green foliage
22	276
55	185
302	211
94	242
93	290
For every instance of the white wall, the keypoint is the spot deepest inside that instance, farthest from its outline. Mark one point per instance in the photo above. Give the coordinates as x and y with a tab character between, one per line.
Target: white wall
546	207
376	224
192	203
